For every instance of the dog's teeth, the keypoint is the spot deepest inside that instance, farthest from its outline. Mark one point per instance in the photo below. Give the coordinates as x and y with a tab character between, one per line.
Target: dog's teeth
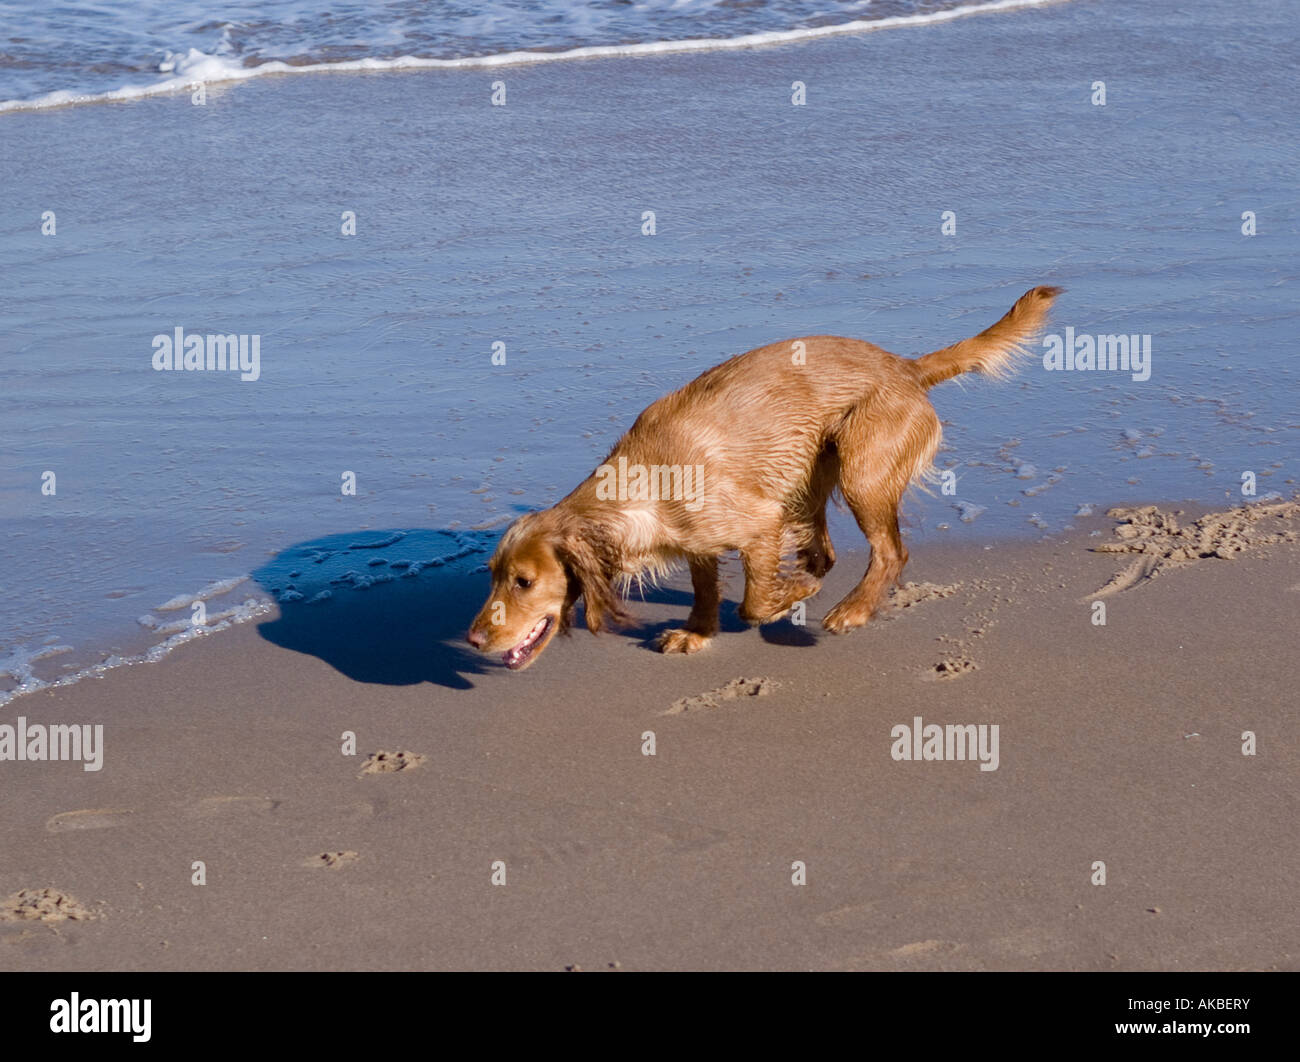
524	648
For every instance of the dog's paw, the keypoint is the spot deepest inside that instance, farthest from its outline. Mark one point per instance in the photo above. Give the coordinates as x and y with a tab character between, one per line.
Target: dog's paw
796	588
748	616
845	617
681	641
802	585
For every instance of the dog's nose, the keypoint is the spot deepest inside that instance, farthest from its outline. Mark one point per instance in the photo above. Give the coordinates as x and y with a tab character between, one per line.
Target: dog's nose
476	638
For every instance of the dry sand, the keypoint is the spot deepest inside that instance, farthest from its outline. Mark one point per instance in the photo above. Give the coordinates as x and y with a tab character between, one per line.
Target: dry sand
1119	743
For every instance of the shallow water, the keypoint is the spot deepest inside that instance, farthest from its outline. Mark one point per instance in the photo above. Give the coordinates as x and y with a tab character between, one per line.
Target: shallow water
522	225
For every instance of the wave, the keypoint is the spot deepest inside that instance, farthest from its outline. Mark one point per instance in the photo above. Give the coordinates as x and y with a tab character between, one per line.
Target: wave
18	665
195	66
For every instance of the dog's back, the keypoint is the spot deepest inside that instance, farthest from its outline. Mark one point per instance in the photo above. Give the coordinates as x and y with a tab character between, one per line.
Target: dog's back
771	412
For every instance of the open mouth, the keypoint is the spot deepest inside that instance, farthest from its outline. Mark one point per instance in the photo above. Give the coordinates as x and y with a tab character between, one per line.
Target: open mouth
518	656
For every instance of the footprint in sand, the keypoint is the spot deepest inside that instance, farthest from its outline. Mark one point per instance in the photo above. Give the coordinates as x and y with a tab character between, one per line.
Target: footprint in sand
384	762
912	594
43	905
736	688
208	807
951	668
332	860
232	809
88	819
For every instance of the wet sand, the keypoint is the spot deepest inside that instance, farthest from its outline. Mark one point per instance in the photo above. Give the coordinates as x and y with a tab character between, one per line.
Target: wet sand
1120	743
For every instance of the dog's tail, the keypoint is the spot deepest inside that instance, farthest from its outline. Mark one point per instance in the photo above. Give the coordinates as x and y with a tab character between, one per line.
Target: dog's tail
994	350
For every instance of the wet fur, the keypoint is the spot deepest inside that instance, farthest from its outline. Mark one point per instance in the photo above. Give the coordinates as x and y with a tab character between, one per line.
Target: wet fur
774	437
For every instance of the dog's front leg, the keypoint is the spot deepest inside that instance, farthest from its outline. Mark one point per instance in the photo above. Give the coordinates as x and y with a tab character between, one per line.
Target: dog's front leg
702	624
770	592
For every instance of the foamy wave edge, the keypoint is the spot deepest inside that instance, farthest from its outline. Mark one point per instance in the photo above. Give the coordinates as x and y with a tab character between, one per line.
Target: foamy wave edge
182	630
18	665
195	66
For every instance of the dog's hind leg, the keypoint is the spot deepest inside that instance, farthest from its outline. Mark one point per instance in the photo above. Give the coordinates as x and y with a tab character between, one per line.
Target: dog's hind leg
888	556
702	624
881	452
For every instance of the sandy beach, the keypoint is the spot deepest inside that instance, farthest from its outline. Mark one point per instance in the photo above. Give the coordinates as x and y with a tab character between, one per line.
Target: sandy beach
1120	743
335	781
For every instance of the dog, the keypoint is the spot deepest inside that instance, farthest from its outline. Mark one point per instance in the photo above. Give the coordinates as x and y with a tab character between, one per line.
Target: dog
743	458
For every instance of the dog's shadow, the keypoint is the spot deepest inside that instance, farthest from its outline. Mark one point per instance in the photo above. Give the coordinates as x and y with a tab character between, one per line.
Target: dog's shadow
386	607
392	607
783	632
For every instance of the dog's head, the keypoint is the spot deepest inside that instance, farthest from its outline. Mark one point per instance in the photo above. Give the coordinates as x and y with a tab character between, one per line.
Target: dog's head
541	567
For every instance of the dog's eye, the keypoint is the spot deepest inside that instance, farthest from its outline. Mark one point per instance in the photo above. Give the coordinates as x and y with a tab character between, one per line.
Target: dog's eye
522	583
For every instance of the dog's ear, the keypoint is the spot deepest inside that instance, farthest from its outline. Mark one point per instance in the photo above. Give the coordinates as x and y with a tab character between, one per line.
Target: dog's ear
589	563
